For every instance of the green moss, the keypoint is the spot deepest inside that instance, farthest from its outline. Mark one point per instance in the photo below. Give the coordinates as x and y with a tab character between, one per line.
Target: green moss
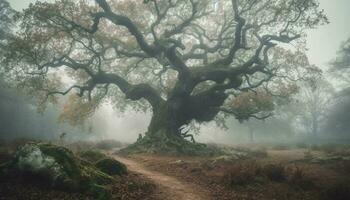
63	157
111	167
74	174
92	155
95	175
163	143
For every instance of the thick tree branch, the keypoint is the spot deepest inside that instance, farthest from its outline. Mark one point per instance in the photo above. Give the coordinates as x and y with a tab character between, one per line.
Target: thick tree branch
176	62
132	92
246	116
237	41
178	29
126	22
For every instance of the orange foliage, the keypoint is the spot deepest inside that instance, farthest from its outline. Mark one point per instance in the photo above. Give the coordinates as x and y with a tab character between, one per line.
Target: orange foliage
76	110
249	103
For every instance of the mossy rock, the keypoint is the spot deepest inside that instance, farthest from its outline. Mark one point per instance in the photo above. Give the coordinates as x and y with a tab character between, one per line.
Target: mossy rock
59	168
92	155
111	166
64	157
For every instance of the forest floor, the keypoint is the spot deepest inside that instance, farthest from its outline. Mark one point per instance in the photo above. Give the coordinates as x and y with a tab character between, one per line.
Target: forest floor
284	173
167	187
250	172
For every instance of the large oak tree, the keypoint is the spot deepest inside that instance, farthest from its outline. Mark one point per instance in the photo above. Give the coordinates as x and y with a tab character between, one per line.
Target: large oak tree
184	59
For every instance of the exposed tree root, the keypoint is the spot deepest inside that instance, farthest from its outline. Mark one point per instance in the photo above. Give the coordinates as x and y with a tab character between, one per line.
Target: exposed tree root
162	143
184	135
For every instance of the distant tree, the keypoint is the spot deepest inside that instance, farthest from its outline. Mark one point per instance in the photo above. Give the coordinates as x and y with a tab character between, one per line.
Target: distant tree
314	101
181	58
339	114
338	121
305	105
262	109
341	64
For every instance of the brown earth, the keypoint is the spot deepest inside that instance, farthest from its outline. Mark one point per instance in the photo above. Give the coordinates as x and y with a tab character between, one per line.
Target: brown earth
164	177
182	178
168	187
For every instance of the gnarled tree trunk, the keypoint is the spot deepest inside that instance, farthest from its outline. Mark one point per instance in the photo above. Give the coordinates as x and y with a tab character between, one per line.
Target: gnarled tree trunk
164	132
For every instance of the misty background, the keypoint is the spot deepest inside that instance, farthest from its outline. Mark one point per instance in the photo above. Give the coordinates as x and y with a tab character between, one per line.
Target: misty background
18	118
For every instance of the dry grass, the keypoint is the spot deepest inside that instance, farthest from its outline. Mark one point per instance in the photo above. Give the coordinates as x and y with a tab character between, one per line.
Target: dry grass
274	177
333	149
253	173
340	190
275	172
281	147
242	175
299	179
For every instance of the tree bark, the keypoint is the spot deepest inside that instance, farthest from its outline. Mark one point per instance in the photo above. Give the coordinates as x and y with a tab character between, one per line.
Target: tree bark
167	120
163	134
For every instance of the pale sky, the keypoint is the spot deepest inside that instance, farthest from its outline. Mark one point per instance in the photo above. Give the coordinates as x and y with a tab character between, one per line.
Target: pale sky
323	42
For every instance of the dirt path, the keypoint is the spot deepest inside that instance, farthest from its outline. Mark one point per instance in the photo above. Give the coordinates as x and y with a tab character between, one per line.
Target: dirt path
169	188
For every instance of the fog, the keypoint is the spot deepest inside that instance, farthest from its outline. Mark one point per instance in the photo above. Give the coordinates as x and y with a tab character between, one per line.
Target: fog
18	118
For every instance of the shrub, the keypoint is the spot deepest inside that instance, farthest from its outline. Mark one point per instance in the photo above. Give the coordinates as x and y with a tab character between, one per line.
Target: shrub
300	180
111	166
274	172
242	175
92	155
